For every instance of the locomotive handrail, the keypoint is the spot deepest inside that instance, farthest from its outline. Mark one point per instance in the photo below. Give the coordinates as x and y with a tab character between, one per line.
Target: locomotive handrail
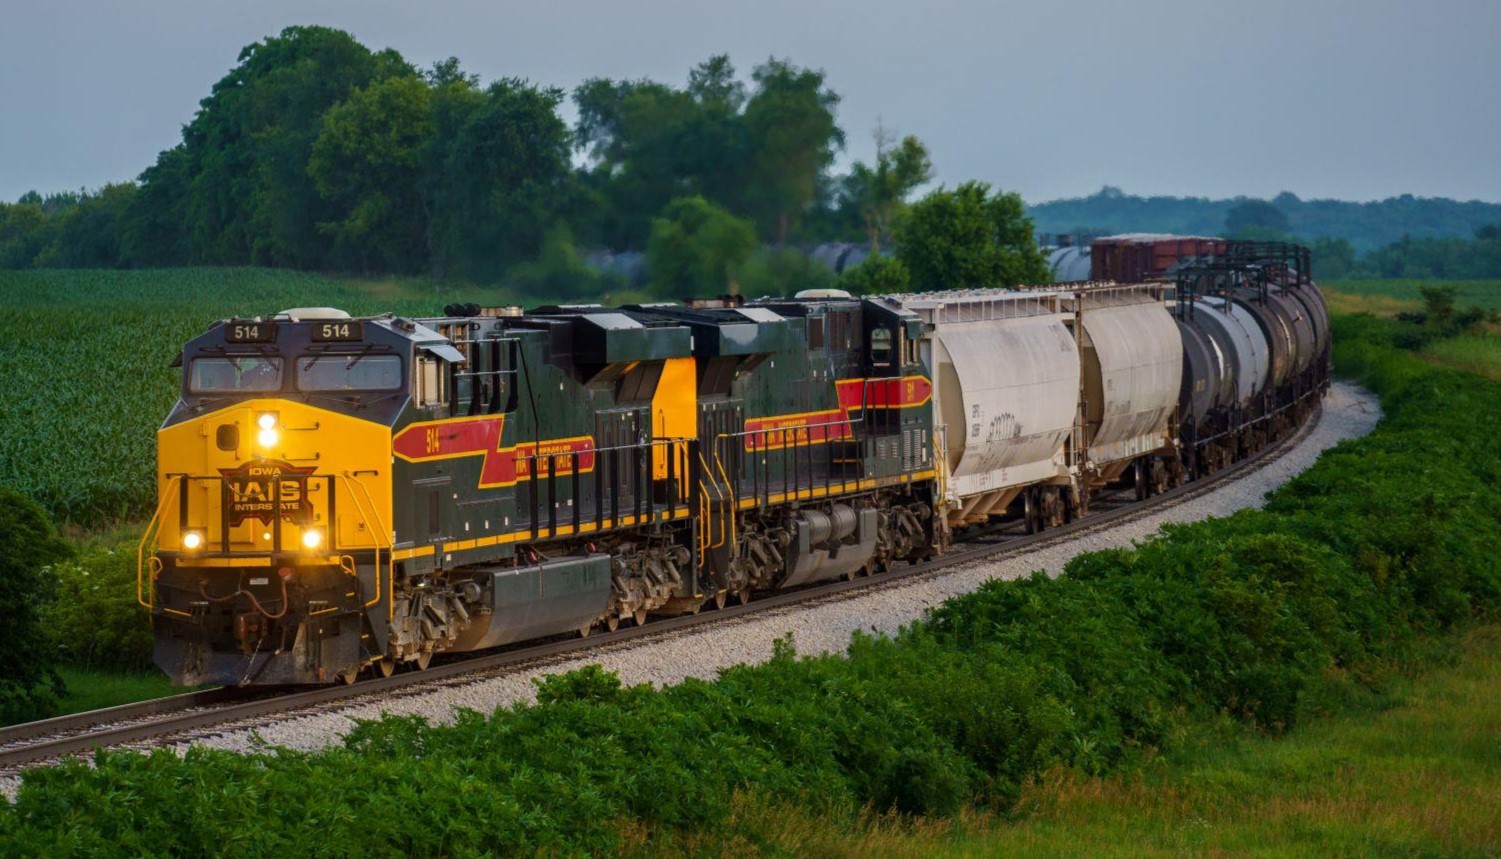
385	535
675	448
704	464
174	488
941	461
702	538
699	542
730	493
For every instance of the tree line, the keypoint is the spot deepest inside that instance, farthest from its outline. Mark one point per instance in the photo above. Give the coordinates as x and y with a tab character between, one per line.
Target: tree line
316	152
1452	258
1367	226
1448	257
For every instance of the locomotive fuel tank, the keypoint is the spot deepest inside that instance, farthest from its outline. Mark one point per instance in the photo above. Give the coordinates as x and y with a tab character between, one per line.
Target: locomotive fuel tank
827	544
529	601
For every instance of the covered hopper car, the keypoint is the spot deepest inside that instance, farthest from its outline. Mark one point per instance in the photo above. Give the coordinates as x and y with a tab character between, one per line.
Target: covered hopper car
340	495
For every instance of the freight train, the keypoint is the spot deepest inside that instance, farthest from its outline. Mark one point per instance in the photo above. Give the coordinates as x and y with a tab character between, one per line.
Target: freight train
341	495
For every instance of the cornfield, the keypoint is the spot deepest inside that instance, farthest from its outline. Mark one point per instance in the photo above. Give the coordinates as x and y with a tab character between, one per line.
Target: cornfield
84	368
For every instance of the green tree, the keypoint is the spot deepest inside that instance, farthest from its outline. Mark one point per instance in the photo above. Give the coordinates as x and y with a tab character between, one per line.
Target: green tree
696	248
1256	219
793	137
559	274
505	177
879	192
968	238
155	231
25	230
649	143
782	271
88	233
877	275
29	686
248	195
367	162
713	147
1332	258
456	97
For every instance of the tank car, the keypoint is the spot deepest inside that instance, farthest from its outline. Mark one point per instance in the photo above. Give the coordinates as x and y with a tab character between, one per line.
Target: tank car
1268	324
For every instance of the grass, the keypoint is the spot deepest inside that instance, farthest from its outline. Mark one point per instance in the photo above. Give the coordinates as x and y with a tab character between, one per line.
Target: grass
93	690
1422	777
1358	302
1475	353
1485	294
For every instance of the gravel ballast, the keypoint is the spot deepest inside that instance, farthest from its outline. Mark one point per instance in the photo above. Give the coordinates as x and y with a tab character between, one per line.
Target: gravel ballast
1349	412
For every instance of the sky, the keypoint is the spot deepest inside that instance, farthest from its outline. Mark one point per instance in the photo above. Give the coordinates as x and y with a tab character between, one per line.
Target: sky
1348	99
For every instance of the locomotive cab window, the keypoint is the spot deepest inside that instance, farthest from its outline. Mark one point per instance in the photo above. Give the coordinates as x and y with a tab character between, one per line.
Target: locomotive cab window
880	347
431	384
234	374
349	372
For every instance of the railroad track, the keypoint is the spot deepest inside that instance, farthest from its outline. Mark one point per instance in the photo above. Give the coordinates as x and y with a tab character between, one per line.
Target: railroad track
183	715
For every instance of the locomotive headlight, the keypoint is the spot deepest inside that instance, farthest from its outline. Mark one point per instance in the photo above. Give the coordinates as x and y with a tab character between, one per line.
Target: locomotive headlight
269	435
191	540
312	538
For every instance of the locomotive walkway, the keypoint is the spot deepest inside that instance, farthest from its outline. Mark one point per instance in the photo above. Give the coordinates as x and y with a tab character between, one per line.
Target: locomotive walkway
308	719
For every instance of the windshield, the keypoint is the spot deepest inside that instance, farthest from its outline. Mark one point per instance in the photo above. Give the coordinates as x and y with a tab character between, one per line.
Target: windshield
344	372
239	373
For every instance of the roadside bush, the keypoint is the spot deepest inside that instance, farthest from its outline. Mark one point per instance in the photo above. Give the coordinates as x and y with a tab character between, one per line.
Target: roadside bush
93	614
29	687
1259	619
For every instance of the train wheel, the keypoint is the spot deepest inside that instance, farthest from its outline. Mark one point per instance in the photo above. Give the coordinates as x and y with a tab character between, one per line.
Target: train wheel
424	659
585	630
744	595
386	667
640	617
612	623
721	598
349	675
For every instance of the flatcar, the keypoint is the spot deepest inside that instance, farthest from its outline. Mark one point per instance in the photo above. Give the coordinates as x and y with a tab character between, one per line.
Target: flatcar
340	495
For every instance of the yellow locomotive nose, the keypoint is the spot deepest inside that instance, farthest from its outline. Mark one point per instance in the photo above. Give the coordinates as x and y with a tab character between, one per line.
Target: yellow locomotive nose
262	476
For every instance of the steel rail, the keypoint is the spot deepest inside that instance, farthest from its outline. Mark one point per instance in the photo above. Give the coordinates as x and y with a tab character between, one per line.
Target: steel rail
220	707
